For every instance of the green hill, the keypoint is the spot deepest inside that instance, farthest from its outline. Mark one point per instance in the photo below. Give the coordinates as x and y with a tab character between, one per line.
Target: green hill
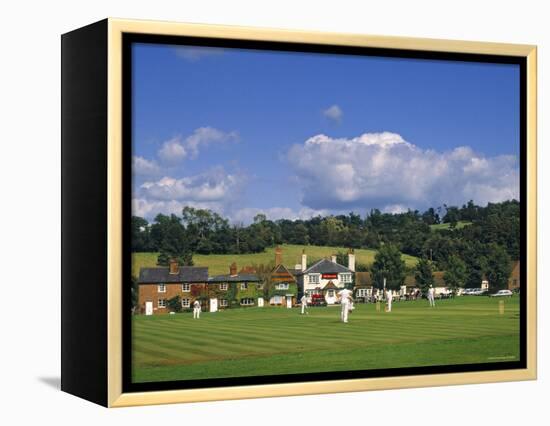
219	263
441	226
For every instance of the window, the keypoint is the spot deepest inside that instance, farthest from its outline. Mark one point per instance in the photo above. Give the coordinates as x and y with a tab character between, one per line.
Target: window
314	279
277	300
162	303
247	301
260	286
346	278
186	287
282	286
244	286
185	303
362	292
162	288
223	302
330	293
223	286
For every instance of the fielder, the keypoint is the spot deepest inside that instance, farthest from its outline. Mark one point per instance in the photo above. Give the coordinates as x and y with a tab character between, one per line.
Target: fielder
389	298
303	301
431	298
345	301
196	309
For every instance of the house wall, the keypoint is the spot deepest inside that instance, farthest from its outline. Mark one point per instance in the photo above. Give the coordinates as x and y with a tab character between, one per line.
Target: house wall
322	282
149	292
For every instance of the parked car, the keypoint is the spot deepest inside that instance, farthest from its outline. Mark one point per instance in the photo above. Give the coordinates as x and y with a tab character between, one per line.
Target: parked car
478	292
502	293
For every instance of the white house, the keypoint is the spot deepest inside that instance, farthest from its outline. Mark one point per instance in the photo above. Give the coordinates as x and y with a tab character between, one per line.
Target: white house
327	277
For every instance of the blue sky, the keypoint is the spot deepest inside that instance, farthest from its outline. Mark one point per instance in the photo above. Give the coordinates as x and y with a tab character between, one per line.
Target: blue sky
294	135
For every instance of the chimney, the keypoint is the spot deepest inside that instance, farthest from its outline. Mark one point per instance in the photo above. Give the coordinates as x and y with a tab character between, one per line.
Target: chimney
278	256
304	260
174	267
333	258
233	269
351	260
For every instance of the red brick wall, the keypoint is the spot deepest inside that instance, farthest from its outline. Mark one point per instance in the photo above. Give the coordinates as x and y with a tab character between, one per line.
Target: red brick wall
149	292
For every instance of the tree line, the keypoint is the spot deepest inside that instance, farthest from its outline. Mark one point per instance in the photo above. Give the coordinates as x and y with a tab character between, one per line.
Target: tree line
206	232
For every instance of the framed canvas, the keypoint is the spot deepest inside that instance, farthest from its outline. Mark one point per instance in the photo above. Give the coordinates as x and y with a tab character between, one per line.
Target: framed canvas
255	212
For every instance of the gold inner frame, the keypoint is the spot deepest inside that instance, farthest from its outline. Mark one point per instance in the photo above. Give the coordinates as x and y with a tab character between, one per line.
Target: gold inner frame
116	27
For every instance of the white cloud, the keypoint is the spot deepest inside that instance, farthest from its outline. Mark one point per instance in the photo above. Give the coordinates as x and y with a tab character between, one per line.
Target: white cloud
204	136
196	53
172	151
143	167
214	185
177	149
383	170
148	209
334	113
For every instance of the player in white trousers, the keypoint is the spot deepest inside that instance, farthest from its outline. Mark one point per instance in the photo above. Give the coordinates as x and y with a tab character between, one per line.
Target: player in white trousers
345	301
389	299
303	301
196	309
431	296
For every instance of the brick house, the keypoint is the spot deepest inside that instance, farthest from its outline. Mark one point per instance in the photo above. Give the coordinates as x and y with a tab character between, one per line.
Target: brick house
160	284
236	288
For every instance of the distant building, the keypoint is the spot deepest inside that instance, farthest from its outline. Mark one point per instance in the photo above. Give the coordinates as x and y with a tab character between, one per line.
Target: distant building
513	281
363	285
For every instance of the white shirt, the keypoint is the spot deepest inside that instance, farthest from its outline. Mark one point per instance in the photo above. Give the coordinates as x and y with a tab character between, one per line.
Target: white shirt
389	295
303	300
345	295
431	291
196	304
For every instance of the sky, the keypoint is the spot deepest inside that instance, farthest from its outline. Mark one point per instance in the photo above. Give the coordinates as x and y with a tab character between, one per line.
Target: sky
294	135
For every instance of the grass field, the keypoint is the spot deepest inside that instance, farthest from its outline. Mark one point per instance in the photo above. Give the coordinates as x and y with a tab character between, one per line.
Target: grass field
441	226
219	263
266	341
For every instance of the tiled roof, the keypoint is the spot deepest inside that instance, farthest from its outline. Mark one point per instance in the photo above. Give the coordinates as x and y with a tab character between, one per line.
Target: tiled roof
234	278
325	266
161	275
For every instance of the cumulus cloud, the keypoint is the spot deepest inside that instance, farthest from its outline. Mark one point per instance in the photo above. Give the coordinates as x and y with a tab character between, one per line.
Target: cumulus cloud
176	149
334	113
212	186
172	151
196	53
147	208
215	189
143	167
204	136
383	170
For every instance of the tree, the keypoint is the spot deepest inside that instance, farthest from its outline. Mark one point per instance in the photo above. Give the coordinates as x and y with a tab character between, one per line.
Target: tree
424	274
174	304
456	273
498	267
140	234
175	244
389	265
135	293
